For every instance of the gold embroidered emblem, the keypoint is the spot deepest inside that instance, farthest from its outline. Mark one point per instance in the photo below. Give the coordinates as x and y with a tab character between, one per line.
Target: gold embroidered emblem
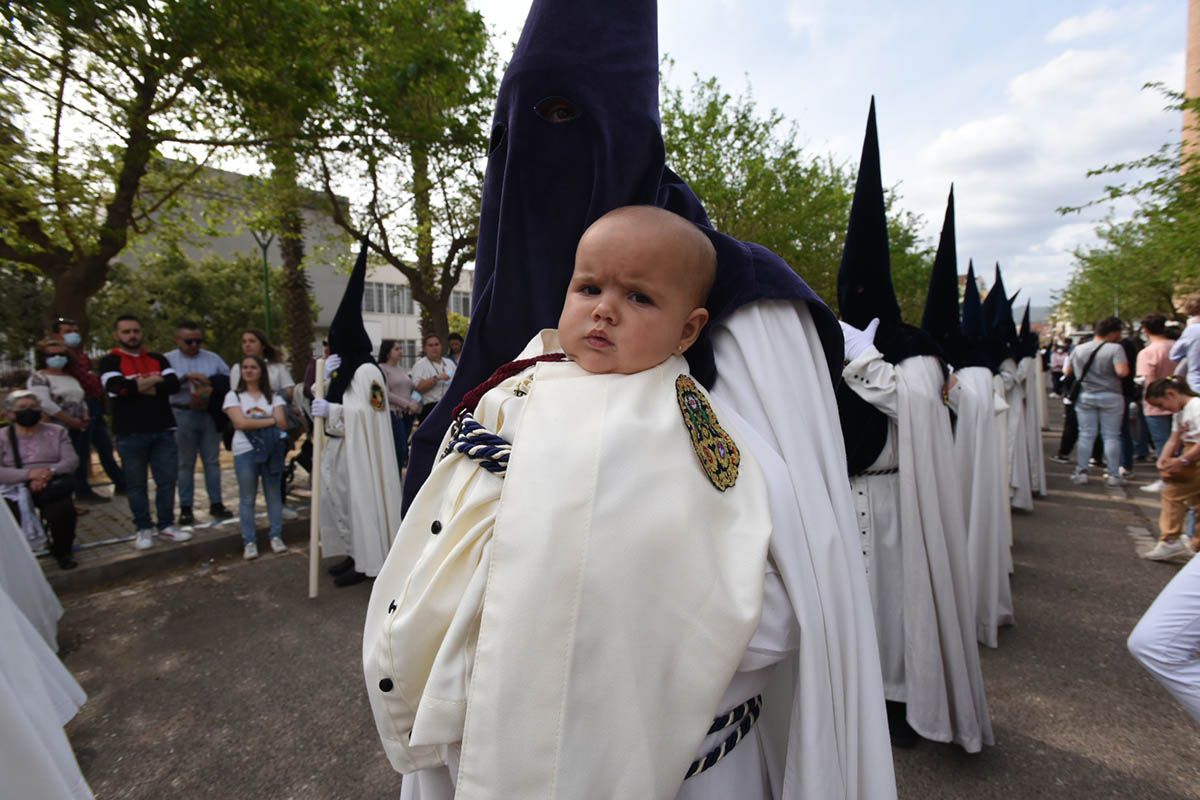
378	398
718	453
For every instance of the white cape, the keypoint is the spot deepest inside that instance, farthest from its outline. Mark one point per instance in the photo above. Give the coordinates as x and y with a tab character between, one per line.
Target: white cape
37	698
1030	371
984	499
1018	441
24	581
360	481
578	632
943	682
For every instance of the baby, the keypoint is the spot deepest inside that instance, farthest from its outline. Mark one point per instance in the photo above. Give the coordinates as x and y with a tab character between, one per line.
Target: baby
573	589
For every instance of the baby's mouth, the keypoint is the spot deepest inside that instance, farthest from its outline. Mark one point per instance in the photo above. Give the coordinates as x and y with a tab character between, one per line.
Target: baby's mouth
598	340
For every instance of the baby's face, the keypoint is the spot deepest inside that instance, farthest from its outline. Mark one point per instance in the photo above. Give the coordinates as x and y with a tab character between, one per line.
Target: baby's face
630	306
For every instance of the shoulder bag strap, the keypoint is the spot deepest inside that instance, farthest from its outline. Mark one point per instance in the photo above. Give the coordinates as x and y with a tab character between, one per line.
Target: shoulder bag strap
12	437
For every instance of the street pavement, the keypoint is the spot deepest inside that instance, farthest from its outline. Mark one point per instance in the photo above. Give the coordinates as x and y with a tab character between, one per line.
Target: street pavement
224	681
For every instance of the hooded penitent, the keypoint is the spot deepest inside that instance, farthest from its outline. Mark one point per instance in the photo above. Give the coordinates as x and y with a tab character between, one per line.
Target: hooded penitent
865	292
576	134
1029	339
975	326
941	317
347	335
997	314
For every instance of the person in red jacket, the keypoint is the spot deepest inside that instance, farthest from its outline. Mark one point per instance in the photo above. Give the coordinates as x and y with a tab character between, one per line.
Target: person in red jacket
140	384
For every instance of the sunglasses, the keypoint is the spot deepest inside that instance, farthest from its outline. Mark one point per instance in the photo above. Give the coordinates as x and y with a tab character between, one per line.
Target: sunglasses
192	341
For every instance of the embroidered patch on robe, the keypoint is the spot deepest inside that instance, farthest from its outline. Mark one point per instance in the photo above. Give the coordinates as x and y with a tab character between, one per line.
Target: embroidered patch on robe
378	398
718	454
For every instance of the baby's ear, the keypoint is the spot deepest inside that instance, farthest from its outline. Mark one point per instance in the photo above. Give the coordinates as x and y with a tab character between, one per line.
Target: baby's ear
692	326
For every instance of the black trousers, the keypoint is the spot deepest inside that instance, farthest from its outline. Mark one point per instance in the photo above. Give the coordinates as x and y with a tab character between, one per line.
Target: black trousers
60	518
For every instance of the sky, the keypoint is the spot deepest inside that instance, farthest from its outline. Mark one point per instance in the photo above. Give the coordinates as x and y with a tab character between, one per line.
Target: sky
1012	102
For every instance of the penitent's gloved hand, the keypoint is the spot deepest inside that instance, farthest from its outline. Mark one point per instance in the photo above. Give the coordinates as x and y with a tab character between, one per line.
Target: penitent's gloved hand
320	408
858	341
331	364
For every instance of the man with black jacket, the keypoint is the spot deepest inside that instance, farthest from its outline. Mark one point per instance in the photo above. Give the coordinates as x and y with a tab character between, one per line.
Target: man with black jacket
140	384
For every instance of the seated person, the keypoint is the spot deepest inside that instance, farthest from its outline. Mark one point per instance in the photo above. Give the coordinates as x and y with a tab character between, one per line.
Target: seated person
37	460
569	601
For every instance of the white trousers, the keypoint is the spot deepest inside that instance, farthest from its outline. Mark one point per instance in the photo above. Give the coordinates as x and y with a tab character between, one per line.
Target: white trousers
1167	638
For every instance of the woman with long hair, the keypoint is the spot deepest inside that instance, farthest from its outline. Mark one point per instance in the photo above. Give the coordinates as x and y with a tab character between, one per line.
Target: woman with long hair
255	343
400	403
258	449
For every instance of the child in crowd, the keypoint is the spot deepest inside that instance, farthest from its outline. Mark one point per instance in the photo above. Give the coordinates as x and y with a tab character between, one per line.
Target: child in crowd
569	601
1177	464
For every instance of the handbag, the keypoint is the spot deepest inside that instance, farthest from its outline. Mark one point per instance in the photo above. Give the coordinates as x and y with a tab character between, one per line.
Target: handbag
1071	393
59	487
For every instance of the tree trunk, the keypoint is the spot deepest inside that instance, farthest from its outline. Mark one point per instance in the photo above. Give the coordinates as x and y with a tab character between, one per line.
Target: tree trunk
73	287
431	295
297	310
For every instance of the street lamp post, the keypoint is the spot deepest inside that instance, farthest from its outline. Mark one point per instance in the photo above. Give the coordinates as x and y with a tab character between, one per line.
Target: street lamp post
264	242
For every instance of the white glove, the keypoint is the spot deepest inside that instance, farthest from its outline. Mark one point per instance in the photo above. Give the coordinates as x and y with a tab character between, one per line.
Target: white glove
331	364
320	408
858	341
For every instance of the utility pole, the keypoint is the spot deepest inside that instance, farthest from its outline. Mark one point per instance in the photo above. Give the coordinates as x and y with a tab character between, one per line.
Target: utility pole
264	242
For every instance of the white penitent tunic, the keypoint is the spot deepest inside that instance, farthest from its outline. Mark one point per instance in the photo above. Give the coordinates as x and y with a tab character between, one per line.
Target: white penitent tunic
1030	370
941	680
360	482
37	698
984	500
574	630
25	582
1018	442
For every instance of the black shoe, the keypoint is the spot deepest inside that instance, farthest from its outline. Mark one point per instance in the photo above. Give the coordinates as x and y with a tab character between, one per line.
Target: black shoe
66	562
901	732
219	511
120	491
349	578
185	516
345	565
91	498
1060	459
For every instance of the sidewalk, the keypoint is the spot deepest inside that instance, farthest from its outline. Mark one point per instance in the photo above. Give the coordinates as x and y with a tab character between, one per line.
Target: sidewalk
105	532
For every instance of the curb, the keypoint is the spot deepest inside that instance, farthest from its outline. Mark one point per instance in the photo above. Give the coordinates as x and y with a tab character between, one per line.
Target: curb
138	565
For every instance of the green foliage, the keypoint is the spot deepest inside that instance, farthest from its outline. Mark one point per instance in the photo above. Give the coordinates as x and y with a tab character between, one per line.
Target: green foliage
758	184
225	296
458	323
26	294
1146	263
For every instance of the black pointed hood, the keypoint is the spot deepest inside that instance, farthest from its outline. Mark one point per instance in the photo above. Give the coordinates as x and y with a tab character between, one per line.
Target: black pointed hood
1028	337
941	317
347	335
997	310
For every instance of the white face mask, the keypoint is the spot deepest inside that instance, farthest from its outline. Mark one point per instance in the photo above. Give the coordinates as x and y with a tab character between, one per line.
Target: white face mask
72	339
56	362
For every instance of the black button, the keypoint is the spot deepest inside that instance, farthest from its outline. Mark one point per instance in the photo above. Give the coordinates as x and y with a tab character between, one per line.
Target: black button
385	685
391	606
435	528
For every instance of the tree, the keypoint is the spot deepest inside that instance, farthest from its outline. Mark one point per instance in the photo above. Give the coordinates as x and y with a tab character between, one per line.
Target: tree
759	185
410	128
26	293
1144	263
115	82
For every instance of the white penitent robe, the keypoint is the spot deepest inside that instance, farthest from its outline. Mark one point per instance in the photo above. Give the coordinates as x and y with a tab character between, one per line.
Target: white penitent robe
25	582
1018	441
917	554
360	482
985	500
1043	414
1031	370
1000	391
37	698
571	630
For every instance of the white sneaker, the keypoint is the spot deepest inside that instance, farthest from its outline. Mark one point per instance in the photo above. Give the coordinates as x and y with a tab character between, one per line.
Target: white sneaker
277	545
1079	478
145	539
173	533
250	551
1113	480
289	513
1157	486
1164	551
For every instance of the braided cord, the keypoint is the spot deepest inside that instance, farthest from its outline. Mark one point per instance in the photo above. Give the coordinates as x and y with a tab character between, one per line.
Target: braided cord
479	444
744	716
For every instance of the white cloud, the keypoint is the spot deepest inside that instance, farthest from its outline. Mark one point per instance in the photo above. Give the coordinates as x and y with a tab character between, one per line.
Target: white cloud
804	18
1097	23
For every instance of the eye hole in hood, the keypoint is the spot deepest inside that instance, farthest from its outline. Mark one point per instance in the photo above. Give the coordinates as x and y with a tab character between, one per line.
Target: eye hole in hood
556	109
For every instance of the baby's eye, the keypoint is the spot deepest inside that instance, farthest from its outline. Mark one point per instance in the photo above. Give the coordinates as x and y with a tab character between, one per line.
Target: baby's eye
641	299
589	289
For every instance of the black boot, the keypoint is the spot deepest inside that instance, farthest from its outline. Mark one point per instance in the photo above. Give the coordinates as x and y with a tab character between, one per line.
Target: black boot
185	516
901	732
345	565
349	578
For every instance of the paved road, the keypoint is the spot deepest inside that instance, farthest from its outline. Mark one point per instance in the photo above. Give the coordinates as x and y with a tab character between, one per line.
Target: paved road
226	682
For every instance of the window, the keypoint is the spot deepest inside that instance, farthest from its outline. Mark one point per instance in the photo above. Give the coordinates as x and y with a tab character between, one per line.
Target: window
460	303
373	297
412	351
399	299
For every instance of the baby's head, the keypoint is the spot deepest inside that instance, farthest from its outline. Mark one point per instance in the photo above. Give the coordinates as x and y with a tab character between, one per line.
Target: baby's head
642	276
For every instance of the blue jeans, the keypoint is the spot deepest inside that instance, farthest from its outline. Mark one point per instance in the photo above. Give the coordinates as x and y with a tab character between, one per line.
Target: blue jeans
248	473
400	438
1099	412
95	436
1159	428
156	451
197	433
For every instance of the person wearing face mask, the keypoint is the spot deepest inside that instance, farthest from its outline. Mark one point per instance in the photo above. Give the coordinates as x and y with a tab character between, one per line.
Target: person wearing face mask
96	436
36	462
60	394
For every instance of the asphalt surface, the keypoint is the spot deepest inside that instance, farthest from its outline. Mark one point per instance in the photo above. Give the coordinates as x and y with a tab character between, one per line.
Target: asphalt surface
227	682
